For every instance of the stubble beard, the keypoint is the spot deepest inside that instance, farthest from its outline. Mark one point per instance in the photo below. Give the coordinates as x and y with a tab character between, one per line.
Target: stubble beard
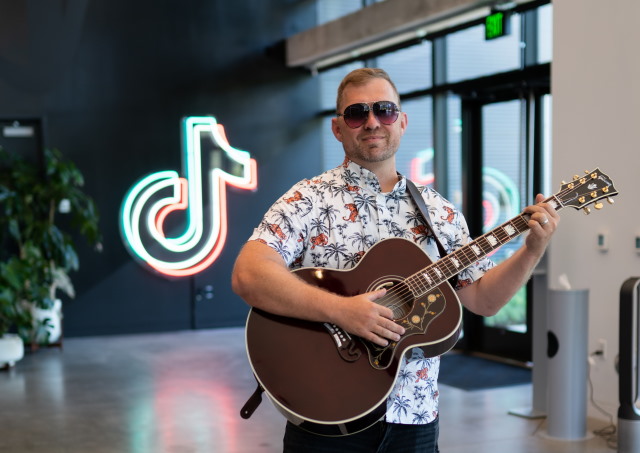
374	153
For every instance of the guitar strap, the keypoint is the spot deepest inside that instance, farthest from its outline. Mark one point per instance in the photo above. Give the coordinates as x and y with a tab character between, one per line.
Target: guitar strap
252	403
419	201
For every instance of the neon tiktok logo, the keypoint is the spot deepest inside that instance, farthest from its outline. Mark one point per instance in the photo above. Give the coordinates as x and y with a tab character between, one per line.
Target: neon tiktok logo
165	220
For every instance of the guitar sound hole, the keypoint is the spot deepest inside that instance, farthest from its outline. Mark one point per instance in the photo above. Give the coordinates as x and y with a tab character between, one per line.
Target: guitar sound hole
399	298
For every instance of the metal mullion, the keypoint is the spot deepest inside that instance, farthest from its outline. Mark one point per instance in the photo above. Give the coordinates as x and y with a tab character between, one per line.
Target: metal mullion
440	117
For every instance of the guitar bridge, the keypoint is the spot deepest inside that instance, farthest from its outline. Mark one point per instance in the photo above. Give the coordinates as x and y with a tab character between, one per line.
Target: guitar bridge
345	344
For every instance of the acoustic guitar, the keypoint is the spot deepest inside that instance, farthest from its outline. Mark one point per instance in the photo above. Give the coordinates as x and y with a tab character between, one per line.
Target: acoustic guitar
329	382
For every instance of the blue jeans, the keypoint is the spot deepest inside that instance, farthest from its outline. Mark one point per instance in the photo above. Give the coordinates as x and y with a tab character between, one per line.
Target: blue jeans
382	437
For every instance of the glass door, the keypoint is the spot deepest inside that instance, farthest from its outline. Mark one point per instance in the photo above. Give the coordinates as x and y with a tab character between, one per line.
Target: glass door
502	170
504	192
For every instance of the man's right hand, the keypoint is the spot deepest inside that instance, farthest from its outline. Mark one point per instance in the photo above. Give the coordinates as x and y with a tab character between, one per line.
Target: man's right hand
362	316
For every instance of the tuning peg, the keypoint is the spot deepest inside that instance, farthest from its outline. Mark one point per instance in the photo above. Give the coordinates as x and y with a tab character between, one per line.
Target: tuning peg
563	182
586	172
587	211
610	200
576	177
598	205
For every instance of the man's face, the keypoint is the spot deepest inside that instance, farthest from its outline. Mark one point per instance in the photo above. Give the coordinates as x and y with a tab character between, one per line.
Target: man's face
373	142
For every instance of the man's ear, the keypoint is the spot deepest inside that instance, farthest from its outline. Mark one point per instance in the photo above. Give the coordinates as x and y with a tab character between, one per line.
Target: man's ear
404	120
335	128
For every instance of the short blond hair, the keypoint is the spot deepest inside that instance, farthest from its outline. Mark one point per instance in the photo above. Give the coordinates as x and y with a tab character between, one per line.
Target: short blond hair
362	76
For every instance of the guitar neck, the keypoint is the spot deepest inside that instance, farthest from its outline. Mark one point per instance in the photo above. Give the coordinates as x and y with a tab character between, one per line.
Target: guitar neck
451	265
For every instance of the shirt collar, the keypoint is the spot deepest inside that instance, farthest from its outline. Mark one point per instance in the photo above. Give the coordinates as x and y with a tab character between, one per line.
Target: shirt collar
356	174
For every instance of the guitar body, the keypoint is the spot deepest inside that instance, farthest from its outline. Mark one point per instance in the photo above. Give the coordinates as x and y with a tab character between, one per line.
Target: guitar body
328	382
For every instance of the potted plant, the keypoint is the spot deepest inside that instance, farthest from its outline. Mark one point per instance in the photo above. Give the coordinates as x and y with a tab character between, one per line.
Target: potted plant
37	248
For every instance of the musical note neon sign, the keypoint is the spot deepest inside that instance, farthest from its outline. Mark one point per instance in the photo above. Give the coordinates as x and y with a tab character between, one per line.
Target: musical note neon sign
152	206
417	167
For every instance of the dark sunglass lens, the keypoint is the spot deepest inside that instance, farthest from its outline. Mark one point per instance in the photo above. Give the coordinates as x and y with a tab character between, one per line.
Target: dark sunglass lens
387	112
356	115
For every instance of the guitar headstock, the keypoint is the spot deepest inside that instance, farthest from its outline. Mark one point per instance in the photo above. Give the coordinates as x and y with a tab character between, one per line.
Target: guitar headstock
586	190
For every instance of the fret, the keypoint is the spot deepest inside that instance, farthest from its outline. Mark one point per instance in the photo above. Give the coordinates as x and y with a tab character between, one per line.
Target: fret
510	230
420	283
452	264
499	237
432	274
469	255
492	240
521	222
447	265
555	202
415	282
416	286
502	233
462	256
485	245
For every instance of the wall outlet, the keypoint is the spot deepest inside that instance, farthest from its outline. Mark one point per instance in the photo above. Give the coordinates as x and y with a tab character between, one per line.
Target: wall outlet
602	346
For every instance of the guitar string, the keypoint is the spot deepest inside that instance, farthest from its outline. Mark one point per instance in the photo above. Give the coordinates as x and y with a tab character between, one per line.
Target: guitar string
465	255
400	296
433	274
444	269
482	242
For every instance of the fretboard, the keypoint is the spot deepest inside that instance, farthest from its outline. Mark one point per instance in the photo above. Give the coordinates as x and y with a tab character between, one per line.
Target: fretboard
442	270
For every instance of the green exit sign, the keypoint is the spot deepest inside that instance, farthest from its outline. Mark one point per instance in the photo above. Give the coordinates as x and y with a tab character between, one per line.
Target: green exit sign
496	25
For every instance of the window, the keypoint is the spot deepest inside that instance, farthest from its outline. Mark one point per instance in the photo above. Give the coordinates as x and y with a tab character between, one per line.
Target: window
415	156
470	56
410	68
329	81
329	10
545	35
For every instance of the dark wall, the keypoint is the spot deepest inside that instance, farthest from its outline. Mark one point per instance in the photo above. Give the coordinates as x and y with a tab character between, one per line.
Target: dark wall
111	81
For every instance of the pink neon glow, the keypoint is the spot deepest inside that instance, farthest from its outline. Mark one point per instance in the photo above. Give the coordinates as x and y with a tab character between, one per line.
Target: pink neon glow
489	213
222	237
208	401
417	175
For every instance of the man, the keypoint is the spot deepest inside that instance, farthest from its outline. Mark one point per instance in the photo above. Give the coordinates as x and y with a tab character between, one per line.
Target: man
331	220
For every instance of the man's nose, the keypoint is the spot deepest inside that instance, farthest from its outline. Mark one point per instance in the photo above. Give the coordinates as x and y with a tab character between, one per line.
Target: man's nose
372	120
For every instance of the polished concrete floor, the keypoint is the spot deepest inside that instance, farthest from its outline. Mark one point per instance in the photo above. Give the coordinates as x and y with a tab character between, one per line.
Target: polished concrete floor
182	392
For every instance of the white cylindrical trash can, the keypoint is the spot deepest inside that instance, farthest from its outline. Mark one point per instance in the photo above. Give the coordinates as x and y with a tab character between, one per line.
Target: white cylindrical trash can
567	349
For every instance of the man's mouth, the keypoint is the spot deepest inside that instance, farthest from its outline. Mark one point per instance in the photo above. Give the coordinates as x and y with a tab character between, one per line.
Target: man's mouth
372	138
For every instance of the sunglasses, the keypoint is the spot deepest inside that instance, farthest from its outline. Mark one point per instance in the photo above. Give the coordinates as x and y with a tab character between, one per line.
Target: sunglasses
357	114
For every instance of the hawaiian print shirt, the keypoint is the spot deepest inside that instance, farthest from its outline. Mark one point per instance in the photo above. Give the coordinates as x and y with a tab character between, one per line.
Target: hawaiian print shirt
331	220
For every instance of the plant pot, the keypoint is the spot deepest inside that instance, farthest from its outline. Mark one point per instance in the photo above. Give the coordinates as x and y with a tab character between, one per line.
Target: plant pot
53	330
11	349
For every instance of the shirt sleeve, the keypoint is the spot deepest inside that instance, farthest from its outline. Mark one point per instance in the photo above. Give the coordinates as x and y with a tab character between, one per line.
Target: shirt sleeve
284	226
